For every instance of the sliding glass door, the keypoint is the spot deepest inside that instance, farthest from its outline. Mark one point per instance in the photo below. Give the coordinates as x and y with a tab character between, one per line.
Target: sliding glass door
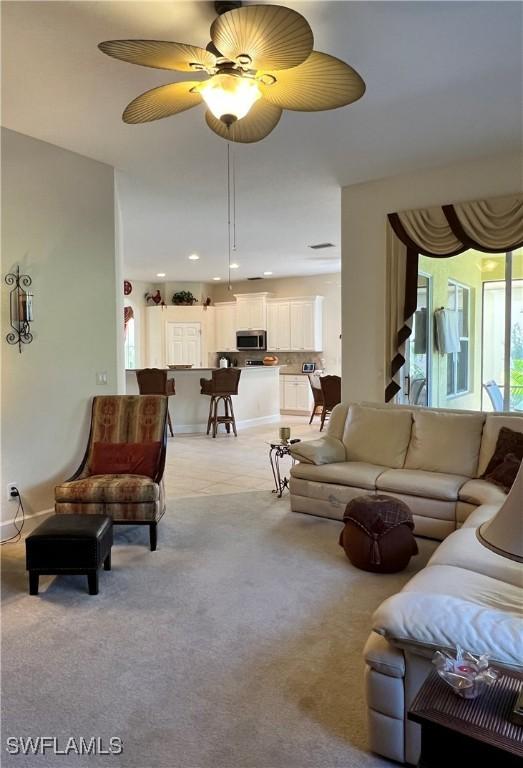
502	342
420	346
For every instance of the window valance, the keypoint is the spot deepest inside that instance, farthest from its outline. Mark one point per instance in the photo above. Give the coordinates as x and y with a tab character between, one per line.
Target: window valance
492	226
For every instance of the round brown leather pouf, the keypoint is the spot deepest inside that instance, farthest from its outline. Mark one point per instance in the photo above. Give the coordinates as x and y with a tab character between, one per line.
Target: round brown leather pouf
378	534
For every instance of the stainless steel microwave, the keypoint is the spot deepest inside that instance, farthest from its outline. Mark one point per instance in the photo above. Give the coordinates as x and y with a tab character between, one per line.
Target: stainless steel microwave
251	340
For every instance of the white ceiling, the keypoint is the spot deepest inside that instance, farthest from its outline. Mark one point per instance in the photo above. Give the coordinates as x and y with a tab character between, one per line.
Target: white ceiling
443	81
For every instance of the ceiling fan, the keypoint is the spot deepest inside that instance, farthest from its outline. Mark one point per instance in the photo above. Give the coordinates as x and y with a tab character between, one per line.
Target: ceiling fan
260	62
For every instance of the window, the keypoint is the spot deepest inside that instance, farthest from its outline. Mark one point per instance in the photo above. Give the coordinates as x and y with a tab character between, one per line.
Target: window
130	348
458	363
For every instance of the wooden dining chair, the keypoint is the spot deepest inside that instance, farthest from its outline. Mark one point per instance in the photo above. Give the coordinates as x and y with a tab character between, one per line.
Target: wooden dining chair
331	390
317	394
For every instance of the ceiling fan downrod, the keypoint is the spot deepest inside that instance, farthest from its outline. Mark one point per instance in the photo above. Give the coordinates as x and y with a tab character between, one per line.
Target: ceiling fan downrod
222	6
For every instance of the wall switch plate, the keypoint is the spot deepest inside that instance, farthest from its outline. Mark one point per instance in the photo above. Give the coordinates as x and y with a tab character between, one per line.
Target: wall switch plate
12	488
101	377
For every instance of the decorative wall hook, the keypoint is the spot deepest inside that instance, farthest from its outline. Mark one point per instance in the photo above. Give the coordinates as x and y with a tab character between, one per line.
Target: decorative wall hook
20	309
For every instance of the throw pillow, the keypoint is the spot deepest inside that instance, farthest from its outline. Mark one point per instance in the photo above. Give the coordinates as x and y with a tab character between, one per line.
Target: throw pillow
505	473
508	441
124	459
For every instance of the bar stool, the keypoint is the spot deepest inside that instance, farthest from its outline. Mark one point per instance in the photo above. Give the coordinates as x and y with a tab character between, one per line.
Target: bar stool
154	381
223	384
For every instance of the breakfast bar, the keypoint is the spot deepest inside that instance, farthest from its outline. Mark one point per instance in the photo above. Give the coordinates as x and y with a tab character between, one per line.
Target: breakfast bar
257	401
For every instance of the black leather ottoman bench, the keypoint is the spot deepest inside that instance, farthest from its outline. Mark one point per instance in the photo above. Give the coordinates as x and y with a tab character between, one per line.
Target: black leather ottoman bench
69	544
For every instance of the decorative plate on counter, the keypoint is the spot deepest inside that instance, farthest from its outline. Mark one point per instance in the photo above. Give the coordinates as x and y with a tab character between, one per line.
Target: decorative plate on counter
178	367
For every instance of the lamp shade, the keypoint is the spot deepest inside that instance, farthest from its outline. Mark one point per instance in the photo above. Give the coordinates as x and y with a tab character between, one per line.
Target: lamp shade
504	532
229	97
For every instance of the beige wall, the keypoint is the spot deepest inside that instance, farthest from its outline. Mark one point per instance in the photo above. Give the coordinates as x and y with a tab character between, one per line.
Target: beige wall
364	211
328	286
58	224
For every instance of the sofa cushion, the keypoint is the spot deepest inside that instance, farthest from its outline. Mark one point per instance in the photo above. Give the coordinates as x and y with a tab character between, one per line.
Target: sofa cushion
445	442
377	435
383	657
110	489
480	515
444	605
493	424
337	419
326	450
418	482
464	550
353	473
481	492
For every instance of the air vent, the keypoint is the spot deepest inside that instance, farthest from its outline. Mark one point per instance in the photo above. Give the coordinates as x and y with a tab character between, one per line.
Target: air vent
319	246
255	278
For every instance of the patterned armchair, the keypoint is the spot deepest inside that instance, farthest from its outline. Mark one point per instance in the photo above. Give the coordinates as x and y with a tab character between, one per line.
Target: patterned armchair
129	499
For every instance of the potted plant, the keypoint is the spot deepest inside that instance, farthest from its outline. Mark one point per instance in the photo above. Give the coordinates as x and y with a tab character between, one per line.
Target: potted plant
184	298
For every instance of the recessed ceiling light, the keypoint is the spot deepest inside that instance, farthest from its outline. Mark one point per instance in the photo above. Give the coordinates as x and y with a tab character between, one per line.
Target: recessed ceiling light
267	273
234	266
160	274
216	278
193	257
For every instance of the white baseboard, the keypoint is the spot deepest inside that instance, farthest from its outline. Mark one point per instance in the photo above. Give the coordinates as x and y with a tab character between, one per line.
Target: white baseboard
7	528
188	429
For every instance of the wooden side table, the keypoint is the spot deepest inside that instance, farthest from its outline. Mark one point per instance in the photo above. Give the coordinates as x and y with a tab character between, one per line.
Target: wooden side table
456	731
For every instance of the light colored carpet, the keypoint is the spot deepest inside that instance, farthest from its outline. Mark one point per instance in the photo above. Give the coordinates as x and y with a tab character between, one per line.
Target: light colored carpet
236	645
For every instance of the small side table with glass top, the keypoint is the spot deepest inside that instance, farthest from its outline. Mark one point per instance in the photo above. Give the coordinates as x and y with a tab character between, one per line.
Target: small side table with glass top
278	451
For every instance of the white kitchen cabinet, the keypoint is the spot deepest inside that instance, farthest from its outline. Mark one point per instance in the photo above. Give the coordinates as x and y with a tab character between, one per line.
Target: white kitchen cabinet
225	318
278	325
251	311
295	394
306	324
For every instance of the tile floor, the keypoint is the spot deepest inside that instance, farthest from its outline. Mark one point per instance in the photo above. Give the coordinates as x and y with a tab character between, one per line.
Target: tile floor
198	465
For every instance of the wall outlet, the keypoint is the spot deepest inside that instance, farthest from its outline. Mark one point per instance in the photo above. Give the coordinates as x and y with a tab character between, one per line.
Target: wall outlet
101	377
12	492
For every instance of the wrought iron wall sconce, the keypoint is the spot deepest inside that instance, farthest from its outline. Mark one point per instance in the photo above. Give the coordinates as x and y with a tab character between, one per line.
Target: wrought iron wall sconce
20	309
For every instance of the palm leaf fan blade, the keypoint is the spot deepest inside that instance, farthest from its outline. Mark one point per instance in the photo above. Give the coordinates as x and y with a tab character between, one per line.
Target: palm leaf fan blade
160	54
271	36
321	82
162	102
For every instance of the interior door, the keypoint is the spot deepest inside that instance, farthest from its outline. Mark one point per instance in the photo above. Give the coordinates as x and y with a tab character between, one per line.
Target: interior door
183	344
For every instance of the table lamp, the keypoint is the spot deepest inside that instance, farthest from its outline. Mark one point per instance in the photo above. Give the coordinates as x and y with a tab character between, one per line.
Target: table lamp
503	533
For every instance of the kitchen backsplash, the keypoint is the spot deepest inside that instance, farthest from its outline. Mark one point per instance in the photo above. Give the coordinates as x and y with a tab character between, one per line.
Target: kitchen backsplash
291	360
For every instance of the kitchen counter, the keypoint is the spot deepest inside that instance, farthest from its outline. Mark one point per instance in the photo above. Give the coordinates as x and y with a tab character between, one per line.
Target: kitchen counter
257	401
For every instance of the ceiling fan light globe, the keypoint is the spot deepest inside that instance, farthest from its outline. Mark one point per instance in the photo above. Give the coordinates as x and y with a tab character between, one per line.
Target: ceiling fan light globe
229	97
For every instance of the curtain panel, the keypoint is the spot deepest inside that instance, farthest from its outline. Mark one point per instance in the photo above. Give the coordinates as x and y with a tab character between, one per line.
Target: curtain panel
127	315
491	226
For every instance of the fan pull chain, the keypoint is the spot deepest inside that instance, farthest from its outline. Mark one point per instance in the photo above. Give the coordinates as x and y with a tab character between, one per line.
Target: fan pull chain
233	198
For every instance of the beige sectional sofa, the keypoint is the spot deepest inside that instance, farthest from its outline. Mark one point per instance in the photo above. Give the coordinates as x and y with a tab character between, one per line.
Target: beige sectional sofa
431	459
467	594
